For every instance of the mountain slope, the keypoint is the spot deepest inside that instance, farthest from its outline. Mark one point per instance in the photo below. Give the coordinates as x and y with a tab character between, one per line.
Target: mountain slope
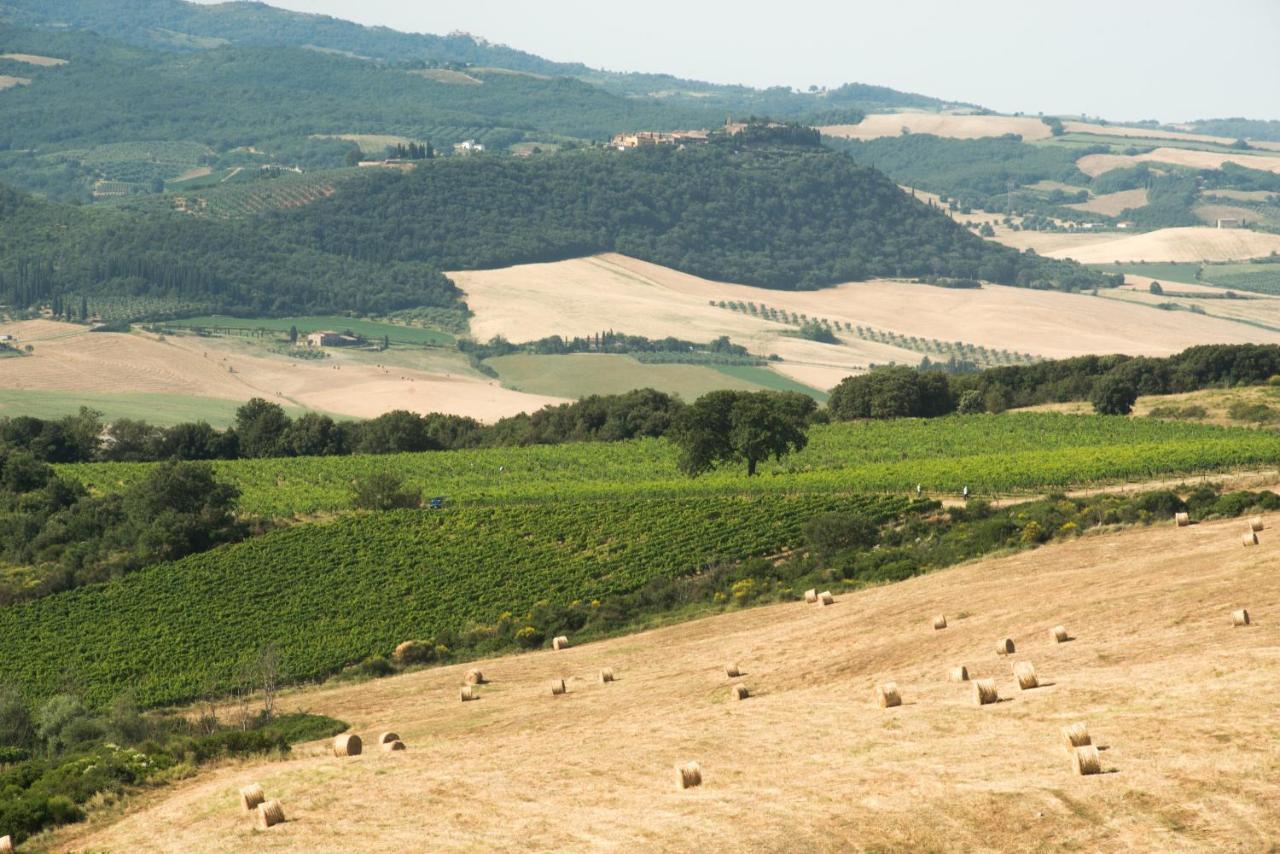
1181	703
184	26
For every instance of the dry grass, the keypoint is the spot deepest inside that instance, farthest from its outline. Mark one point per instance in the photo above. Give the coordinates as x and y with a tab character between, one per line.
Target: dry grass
535	300
8	81
446	75
1142	133
34	59
939	124
1114	204
939	773
1196	243
70	358
1096	164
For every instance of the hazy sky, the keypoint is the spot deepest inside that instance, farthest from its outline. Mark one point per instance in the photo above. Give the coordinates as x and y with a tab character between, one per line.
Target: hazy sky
1121	59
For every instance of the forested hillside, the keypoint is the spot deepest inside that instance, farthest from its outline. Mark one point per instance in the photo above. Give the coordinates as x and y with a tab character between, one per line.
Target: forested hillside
50	253
778	217
175	25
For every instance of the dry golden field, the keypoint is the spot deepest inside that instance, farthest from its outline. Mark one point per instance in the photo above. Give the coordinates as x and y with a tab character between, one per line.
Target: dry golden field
70	358
1113	204
1181	705
940	124
1196	243
614	291
1096	164
1142	133
8	81
34	59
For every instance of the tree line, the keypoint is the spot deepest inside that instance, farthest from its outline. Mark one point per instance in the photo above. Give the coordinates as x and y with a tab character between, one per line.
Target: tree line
1110	383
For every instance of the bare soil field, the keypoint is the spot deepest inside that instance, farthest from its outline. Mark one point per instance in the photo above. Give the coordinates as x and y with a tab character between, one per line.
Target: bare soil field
628	295
1200	243
1114	204
939	124
370	143
1096	164
69	358
9	82
1180	704
34	59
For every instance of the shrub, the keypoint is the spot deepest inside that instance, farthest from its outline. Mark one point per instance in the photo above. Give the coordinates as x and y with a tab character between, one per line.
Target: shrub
415	652
383	491
1113	396
832	533
971	403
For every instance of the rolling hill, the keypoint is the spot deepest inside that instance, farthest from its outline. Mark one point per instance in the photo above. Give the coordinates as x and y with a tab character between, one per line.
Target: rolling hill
809	759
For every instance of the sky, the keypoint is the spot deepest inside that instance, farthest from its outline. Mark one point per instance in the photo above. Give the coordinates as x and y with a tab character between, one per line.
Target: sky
1170	60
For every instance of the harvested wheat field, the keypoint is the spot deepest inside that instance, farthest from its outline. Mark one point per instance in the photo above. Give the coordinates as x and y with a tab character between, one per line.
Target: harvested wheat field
1113	204
69	358
635	296
8	81
1142	133
1180	704
1196	243
1096	164
34	59
939	124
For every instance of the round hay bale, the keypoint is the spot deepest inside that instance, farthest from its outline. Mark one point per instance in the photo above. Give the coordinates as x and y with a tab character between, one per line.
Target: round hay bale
606	675
468	693
984	691
251	796
6	845
811	596
939	622
1086	760
1076	735
1182	520
959	674
1255	524
347	744
387	738
270	814
558	687
732	671
1058	634
1240	618
739	692
1249	538
887	695
688	776
560	643
393	745
826	598
1005	647
1026	673
474	677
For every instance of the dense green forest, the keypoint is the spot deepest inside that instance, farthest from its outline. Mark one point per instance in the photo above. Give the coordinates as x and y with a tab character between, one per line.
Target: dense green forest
787	218
1263	129
780	217
50	252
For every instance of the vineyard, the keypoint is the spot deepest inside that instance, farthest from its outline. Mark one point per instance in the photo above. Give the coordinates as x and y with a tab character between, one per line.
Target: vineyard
250	198
328	595
1020	452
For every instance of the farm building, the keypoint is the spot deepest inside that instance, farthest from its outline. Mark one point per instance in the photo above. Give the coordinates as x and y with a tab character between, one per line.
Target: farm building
651	137
332	339
468	146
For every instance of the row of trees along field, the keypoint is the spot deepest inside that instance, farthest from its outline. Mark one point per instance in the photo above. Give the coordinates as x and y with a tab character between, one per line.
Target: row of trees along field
1111	383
